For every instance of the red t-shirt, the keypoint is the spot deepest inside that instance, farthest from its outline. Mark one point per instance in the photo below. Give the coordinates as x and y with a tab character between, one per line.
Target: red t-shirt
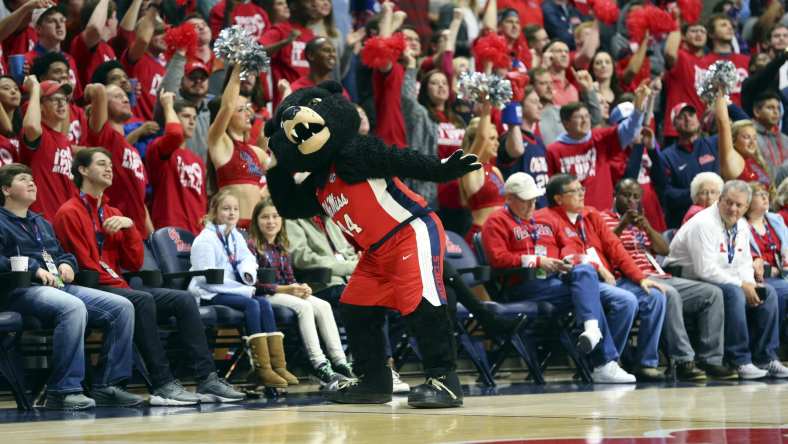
76	225
50	161
289	62
741	61
680	87
129	178
90	58
590	162
20	42
78	127
306	82
769	244
178	179
9	150
149	72
250	16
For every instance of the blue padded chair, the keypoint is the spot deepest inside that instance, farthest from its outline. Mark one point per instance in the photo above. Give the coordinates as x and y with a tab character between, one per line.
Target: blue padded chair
540	315
171	247
11	326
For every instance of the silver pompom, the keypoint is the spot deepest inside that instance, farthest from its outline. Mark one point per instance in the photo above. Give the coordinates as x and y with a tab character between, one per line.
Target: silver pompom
236	46
721	76
475	86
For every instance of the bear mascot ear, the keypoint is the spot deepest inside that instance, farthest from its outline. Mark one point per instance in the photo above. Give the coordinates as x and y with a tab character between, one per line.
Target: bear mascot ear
332	86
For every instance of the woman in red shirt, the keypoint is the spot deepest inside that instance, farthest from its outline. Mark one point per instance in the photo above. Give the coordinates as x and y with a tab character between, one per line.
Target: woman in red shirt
481	191
434	93
10	98
239	166
740	157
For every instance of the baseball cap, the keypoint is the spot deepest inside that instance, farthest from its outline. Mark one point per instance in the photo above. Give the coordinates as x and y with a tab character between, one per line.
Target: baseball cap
40	13
194	65
679	108
621	112
49	87
523	186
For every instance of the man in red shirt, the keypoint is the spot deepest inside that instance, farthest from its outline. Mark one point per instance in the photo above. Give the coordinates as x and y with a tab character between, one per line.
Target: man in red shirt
177	174
583	236
144	60
683	296
54	66
50	26
109	110
322	57
586	153
683	52
513	239
248	14
286	44
102	239
90	47
722	32
45	148
509	26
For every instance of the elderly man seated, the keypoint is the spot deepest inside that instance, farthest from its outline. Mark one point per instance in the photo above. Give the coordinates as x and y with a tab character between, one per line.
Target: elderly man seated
512	238
714	246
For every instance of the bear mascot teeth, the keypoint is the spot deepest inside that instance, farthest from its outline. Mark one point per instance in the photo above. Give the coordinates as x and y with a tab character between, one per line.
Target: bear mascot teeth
355	180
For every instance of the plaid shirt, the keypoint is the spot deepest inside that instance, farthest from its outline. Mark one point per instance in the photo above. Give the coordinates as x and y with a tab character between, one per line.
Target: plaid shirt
276	257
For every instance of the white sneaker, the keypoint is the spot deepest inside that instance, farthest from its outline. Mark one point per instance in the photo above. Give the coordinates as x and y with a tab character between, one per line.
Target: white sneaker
776	369
611	373
399	385
588	340
749	371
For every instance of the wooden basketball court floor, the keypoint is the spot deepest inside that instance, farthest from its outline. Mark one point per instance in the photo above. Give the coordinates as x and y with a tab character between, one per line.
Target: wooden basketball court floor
736	412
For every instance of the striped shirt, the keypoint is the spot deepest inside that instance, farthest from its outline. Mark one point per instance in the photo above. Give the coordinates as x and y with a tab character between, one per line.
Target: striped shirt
636	242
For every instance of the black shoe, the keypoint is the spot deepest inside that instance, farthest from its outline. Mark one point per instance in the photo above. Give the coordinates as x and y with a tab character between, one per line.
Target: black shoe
68	401
436	393
722	372
359	391
648	374
114	396
686	371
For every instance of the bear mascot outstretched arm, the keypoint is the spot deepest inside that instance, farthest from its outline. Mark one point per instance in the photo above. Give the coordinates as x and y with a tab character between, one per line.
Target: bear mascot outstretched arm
355	180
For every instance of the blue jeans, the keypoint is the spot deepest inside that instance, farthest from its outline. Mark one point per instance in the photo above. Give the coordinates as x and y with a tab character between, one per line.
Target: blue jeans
70	310
258	313
741	347
651	308
577	291
620	306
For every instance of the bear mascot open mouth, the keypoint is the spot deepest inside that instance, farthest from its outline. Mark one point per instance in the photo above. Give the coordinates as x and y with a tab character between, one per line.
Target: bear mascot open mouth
305	128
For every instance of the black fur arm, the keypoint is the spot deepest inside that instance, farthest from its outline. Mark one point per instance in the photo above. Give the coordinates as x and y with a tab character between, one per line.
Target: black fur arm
368	158
293	201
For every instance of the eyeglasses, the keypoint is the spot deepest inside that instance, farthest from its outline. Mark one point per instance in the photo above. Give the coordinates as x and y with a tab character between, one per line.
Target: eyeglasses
579	190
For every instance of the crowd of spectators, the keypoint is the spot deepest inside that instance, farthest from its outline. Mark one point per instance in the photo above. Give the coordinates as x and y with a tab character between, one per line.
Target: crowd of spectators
106	127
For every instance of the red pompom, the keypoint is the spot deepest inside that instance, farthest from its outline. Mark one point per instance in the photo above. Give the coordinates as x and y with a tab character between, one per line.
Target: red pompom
637	24
379	52
492	48
690	10
181	37
660	22
606	11
651	18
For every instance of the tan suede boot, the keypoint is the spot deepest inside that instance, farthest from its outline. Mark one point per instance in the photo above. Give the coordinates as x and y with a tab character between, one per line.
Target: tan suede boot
258	348
277	350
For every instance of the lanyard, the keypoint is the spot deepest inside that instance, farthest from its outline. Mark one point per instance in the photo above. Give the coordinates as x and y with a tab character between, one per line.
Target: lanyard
533	230
231	256
730	237
580	226
100	236
36	234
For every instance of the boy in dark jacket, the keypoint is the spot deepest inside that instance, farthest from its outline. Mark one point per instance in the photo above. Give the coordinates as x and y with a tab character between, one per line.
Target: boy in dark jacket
55	300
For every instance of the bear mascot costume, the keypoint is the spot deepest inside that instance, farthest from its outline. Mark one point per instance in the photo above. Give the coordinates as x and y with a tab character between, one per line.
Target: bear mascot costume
354	179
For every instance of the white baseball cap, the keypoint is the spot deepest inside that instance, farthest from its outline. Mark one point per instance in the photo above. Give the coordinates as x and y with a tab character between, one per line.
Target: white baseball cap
523	186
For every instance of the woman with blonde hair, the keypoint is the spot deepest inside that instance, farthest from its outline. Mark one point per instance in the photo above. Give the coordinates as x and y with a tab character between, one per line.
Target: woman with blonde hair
268	242
221	246
740	157
481	191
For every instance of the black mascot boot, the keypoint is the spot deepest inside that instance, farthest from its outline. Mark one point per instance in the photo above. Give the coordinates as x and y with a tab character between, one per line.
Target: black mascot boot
364	326
434	334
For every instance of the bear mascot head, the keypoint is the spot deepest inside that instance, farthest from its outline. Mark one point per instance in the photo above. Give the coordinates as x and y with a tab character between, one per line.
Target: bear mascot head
310	126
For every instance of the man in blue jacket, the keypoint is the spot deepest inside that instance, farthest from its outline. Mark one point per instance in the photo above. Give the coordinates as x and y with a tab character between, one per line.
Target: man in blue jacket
56	301
683	160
